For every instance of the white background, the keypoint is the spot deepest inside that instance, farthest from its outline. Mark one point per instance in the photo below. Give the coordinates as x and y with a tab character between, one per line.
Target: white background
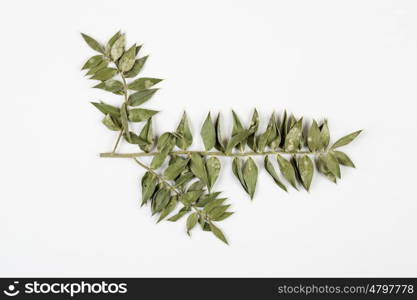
66	212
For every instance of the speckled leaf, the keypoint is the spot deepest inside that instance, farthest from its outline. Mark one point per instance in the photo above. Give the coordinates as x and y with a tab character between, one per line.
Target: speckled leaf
92	62
306	169
208	133
284	128
103	64
237	168
118	48
111	42
343	159
111	123
190	197
143	83
236	130
287	170
141	97
127	61
322	168
292	140
104	74
185	137
141	114
346	139
125	121
147	135
271	170
332	164
137	67
314	137
111	85
213	167
253	128
236	139
250	175
93	43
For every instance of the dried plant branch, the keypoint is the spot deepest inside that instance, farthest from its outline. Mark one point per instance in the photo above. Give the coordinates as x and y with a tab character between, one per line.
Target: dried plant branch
180	182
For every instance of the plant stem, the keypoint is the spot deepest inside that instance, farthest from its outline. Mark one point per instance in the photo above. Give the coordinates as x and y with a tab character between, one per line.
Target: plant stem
117	141
204	153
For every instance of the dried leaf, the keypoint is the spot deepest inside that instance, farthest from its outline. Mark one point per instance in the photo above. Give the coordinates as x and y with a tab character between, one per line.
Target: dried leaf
180	214
137	67
343	159
107	109
118	48
198	168
111	123
161	200
213	167
220	145
218	233
314	137
250	175
92	62
190	197
223	216
236	130
149	183
236	139
93	43
346	139
104	74
192	221
141	97
271	170
306	169
287	170
169	208
292	140
253	128
237	168
185	138
147	135
208	133
143	83
175	169
325	135
140	114
127	61
331	163
111	85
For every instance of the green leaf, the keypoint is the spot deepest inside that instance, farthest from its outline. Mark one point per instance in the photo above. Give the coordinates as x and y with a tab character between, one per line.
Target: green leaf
208	133
292	140
219	137
331	163
197	186
93	43
314	137
268	135
250	175
306	169
125	122
161	200
346	139
107	109
223	216
141	97
137	67
218	211
147	135
287	170
169	208
343	159
213	203
253	128
236	139
175	169
198	168
143	83
325	135
236	130
111	123
184	179
213	167
111	85
104	74
180	214
166	139
111	41
92	62
127	61
218	233
103	64
192	221
284	128
185	136
134	139
190	197
149	183
237	170
118	48
165	145
322	167
271	170
141	114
